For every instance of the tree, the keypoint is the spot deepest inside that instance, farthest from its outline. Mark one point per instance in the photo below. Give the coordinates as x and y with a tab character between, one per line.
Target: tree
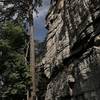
13	71
40	50
16	8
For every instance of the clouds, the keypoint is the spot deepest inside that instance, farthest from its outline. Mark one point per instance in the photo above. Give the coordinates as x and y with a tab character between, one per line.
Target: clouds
40	21
43	10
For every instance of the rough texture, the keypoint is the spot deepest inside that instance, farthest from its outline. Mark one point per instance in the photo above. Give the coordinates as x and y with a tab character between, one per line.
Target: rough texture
72	60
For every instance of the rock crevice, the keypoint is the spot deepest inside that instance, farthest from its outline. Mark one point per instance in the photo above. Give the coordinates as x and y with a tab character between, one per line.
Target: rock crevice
72	60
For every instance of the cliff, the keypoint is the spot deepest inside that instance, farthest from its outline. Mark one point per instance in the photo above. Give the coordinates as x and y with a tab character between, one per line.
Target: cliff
72	60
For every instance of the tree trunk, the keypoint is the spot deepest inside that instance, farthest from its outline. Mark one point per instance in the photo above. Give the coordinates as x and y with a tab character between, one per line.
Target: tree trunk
32	53
32	61
32	91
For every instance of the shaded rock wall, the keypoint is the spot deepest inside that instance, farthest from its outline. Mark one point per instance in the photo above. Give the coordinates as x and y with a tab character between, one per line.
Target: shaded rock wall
72	60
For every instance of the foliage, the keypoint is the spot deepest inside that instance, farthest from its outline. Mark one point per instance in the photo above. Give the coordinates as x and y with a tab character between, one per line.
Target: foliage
13	71
12	44
12	8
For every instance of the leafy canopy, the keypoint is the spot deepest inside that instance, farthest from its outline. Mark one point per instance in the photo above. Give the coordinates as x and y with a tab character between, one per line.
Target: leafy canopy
13	72
10	9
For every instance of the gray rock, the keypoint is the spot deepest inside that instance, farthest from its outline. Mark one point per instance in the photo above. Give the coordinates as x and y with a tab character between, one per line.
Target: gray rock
73	37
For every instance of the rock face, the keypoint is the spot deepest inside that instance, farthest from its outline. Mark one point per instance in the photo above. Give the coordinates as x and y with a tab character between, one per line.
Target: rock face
72	60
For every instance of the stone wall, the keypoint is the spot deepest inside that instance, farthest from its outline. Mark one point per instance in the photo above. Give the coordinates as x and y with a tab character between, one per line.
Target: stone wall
72	60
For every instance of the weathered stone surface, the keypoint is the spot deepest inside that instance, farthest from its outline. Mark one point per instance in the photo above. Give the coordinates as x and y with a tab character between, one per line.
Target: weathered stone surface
72	60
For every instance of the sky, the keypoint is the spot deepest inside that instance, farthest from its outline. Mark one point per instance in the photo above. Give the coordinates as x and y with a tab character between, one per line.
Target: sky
39	21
